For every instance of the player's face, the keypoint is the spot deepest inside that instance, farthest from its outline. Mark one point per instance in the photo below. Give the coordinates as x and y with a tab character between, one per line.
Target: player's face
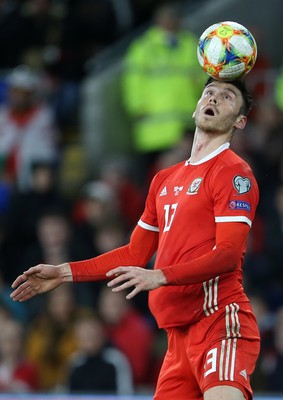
218	110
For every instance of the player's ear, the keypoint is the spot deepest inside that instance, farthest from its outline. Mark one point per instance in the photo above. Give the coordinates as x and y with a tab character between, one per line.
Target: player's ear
240	122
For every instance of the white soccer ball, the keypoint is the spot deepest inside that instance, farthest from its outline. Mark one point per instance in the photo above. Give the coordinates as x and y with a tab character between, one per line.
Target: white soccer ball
227	51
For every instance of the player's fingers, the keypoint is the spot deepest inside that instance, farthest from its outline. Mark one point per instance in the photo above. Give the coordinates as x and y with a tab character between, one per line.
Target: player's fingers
118	279
116	271
34	270
125	285
119	270
133	293
20	279
22	292
27	295
21	288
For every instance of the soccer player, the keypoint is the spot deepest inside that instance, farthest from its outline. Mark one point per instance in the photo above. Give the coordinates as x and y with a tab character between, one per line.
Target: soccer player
197	218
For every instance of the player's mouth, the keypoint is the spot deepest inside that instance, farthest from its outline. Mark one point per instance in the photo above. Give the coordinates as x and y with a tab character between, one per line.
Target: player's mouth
209	110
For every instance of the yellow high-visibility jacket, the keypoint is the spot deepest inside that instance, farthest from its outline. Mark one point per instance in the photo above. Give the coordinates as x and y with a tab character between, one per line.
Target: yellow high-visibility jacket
161	85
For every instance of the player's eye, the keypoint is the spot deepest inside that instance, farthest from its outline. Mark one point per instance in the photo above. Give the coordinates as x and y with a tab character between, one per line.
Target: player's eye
227	97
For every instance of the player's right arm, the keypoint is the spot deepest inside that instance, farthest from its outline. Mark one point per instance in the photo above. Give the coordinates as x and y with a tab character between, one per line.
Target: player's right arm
43	278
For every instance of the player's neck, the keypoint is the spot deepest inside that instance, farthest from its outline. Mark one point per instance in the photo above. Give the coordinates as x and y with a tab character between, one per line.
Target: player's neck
204	144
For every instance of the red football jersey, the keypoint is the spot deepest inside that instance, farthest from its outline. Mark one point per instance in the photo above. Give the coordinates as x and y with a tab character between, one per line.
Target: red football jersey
184	204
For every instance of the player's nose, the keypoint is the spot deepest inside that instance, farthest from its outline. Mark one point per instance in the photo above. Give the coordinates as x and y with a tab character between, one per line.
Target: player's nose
213	99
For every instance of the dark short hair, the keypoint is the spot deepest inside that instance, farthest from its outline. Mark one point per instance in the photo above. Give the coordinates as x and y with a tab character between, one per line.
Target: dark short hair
240	85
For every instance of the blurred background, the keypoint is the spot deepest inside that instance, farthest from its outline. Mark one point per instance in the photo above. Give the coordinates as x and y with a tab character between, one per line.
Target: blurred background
95	97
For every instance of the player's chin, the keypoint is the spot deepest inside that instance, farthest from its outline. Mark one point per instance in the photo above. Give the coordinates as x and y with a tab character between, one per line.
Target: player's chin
210	126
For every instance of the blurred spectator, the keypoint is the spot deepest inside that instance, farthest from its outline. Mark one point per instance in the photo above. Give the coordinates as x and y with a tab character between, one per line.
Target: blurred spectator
25	210
96	204
27	128
15	34
143	9
5	313
130	197
89	26
109	236
278	89
161	84
123	14
9	308
258	82
104	212
50	339
54	238
275	378
266	147
7	255
45	18
123	323
274	237
6	190
174	155
95	214
17	373
56	243
96	366
266	320
257	271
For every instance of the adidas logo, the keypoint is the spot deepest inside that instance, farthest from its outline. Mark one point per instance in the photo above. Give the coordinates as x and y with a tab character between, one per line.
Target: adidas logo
163	192
177	189
244	374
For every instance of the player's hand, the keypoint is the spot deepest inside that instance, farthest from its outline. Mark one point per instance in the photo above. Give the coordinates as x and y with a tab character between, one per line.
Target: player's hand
39	279
139	278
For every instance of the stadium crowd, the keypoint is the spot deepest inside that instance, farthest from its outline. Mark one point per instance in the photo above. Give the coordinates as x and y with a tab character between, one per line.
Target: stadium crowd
83	338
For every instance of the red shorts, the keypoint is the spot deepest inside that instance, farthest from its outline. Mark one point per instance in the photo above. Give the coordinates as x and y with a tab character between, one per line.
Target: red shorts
220	349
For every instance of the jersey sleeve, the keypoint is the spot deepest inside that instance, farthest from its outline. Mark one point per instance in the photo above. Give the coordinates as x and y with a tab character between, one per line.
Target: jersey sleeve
143	244
149	219
235	194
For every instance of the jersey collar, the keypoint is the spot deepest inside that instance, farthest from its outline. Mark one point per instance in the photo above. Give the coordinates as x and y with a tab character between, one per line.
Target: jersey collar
211	155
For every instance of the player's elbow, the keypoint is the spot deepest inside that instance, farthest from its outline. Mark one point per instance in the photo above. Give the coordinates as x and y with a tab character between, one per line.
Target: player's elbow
232	254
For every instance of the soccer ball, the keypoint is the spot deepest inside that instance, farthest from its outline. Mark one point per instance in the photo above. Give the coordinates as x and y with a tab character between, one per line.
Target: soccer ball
227	51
